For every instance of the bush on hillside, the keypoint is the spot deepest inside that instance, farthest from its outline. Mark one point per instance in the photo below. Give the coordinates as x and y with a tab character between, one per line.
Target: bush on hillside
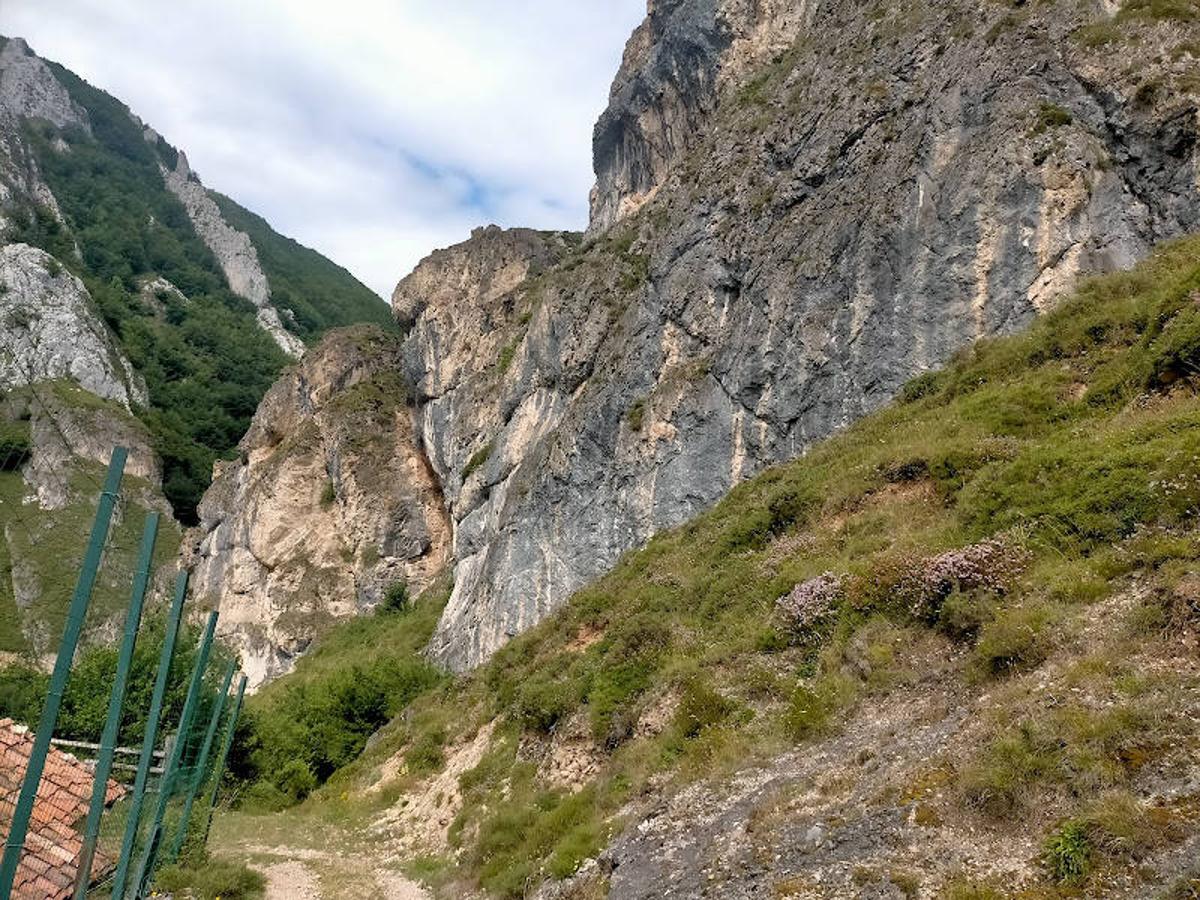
15	445
810	604
396	598
992	565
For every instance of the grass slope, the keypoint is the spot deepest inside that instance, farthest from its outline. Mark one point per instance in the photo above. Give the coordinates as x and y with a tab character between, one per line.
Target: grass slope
1078	442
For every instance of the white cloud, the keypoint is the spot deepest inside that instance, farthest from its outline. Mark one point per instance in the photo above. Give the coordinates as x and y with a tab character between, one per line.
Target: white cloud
372	130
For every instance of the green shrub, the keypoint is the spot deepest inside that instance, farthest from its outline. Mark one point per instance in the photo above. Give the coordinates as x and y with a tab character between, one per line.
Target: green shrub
700	707
541	703
211	879
478	458
425	755
1176	351
295	780
963	613
636	415
811	708
396	598
1073	747
924	385
507	353
1068	853
613	690
963	888
15	445
328	494
1051	115
1016	638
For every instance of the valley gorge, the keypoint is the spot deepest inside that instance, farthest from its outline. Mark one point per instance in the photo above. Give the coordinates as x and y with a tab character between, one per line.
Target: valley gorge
820	520
798	208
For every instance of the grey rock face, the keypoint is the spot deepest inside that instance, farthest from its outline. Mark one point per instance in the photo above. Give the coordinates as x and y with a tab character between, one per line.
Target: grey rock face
50	331
234	252
803	232
29	89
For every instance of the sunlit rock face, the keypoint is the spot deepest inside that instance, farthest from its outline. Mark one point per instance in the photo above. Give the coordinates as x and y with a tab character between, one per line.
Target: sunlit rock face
799	206
233	251
49	330
330	503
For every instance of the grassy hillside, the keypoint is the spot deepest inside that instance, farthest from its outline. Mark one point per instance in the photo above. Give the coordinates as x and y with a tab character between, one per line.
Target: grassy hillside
41	548
981	522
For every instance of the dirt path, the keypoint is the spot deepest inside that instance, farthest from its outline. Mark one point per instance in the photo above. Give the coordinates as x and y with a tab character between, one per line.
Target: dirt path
290	881
302	873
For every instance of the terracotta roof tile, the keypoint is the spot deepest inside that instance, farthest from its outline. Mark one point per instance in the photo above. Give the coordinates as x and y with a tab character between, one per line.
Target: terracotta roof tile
52	846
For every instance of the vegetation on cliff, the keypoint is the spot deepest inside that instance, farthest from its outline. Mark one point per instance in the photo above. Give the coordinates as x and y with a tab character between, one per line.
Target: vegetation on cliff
975	529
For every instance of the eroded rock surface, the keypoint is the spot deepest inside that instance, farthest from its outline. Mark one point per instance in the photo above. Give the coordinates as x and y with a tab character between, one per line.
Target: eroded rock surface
234	252
50	330
29	90
331	503
799	208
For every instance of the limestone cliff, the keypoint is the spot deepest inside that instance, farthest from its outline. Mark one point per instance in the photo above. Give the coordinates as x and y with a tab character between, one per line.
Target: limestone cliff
232	248
29	90
65	396
782	238
799	207
329	505
50	330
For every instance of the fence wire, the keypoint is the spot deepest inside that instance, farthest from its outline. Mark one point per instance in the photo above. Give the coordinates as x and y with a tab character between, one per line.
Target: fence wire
181	776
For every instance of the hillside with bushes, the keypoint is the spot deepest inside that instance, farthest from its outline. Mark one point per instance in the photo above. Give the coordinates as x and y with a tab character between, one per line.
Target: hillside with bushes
950	652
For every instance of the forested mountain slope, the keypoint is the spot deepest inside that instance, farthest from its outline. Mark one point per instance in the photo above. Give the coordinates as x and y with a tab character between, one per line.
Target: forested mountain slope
131	312
207	313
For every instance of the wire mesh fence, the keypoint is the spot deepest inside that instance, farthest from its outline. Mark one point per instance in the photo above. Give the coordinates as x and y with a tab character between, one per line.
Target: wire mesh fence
98	812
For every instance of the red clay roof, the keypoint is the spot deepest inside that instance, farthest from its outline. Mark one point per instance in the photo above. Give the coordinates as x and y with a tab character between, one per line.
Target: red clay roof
52	847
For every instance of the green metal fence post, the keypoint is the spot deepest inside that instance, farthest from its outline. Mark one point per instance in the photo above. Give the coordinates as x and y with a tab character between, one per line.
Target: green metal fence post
201	762
146	760
220	770
108	740
62	667
170	766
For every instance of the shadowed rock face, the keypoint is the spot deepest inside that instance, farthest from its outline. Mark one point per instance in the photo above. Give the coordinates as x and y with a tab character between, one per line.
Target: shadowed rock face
799	207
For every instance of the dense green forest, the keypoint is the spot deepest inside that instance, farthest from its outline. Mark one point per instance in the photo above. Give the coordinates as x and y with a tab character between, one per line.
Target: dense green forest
205	361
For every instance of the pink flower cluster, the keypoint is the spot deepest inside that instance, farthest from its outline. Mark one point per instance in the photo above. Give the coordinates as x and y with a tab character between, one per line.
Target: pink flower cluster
991	565
805	605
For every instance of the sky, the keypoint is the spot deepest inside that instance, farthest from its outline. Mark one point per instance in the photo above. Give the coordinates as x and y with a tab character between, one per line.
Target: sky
372	131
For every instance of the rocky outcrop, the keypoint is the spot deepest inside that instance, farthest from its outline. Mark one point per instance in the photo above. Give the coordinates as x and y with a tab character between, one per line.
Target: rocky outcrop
330	504
813	227
673	69
28	90
799	207
50	330
232	248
